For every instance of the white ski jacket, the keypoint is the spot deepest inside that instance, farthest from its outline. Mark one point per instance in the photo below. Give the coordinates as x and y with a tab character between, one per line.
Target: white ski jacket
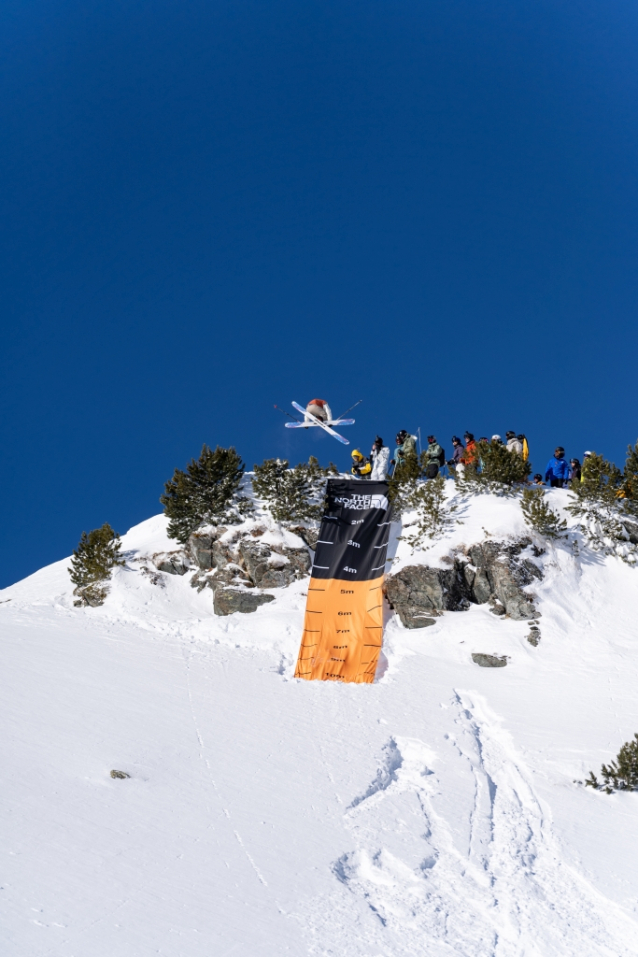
513	445
379	459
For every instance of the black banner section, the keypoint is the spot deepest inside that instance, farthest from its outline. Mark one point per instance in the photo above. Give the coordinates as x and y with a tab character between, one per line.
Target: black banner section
353	541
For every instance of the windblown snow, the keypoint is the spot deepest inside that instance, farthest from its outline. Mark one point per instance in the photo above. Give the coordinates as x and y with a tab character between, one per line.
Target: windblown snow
432	812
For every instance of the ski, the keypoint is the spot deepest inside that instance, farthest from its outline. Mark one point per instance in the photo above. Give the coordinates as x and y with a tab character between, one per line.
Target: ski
310	425
322	425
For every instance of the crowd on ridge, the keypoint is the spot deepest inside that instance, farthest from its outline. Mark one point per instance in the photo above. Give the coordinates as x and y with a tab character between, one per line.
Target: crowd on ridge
559	473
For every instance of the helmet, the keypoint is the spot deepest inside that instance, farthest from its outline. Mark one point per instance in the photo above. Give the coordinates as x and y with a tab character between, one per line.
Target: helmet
559	452
378	441
431	438
496	438
400	436
356	454
538	476
510	435
586	455
455	440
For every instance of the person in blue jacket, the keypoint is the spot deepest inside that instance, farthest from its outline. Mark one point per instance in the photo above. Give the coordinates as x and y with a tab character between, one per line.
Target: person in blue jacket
558	471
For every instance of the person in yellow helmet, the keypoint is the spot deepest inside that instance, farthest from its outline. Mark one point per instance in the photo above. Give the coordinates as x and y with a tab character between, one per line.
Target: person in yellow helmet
361	467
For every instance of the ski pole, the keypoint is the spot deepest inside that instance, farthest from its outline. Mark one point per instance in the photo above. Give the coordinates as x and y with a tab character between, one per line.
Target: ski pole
288	414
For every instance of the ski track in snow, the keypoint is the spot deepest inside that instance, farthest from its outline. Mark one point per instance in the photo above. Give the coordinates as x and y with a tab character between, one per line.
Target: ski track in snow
503	892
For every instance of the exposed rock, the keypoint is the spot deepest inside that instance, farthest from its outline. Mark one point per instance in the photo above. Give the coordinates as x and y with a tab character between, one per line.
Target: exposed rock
489	661
416	594
204	549
534	636
93	595
631	527
228	600
307	535
232	568
120	774
491	571
173	563
270	568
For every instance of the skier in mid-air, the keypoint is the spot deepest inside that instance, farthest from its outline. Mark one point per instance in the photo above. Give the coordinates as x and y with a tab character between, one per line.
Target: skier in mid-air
319	409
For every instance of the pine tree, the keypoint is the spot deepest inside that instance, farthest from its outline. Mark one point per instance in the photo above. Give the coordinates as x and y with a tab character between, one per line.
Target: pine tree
292	495
494	469
207	493
539	516
433	514
97	554
599	503
621	774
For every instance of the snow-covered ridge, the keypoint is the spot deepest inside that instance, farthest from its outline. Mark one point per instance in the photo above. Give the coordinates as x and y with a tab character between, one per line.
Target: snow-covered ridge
434	811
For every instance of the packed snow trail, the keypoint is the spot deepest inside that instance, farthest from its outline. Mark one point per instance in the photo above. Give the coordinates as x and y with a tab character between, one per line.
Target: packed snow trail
433	811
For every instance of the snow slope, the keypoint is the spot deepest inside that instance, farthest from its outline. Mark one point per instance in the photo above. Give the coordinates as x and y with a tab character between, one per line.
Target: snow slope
433	812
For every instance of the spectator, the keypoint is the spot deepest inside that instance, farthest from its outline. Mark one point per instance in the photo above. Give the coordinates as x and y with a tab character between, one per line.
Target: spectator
538	479
361	467
434	458
513	444
457	461
557	471
470	449
406	445
379	456
575	471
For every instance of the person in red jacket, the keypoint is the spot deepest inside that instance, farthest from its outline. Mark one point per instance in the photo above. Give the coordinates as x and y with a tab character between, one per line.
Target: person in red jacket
469	455
320	409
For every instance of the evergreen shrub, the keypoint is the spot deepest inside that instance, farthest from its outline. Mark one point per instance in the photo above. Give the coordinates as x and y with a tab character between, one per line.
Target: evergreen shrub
207	493
539	516
433	514
603	509
494	469
97	554
292	495
403	482
621	774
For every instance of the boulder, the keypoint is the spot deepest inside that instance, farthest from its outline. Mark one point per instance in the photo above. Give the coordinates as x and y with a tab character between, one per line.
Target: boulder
489	661
228	599
173	563
534	636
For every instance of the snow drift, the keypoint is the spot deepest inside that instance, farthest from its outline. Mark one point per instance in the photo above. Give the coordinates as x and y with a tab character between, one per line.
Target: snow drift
434	811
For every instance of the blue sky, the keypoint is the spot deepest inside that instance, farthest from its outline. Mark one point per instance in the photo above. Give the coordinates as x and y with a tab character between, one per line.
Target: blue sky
212	207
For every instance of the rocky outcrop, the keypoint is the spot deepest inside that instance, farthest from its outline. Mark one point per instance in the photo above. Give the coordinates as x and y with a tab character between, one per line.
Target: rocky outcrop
237	567
494	572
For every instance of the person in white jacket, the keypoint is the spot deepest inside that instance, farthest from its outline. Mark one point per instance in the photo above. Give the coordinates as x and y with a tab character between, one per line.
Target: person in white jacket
513	443
380	457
